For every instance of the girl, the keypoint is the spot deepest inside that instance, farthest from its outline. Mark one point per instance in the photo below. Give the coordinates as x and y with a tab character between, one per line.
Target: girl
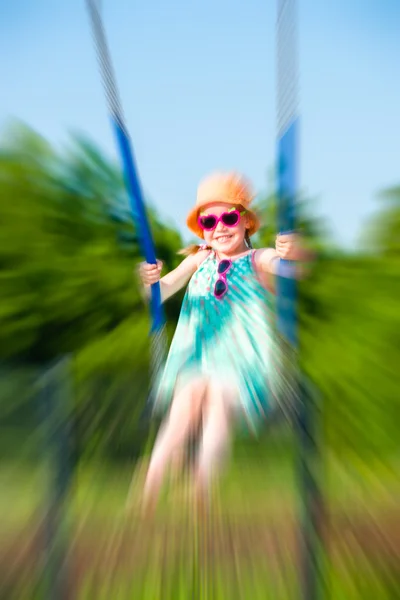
223	361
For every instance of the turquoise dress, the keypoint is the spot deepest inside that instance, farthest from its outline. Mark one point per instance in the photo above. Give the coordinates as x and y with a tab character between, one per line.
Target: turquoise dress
231	340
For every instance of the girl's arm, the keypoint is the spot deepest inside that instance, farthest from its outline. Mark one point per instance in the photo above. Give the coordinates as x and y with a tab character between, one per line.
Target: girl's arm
267	260
175	280
288	247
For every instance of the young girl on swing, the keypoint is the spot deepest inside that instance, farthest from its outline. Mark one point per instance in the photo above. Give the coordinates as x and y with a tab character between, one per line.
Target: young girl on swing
223	361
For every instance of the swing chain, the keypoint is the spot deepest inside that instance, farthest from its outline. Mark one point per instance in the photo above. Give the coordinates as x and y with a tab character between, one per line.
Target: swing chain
105	62
287	100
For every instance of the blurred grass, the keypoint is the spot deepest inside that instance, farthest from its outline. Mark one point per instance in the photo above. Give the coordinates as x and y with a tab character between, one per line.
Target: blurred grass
245	551
246	487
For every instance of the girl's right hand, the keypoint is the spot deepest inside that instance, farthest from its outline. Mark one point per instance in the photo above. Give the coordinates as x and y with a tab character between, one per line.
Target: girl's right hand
150	274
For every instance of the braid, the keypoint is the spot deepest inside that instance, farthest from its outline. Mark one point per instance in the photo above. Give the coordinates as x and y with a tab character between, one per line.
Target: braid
248	240
193	249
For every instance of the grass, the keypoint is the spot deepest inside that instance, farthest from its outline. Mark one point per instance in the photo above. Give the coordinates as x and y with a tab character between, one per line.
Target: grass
247	549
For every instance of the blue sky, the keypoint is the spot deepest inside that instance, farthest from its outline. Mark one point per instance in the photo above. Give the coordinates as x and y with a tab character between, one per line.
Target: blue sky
198	87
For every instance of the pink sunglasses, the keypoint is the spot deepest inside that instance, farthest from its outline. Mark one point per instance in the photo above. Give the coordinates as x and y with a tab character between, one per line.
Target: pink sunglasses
221	285
229	219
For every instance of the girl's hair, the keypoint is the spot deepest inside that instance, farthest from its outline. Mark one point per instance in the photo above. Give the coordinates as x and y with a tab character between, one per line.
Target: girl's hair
248	240
194	248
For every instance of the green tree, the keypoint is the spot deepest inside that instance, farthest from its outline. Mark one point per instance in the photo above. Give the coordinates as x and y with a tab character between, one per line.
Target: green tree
67	252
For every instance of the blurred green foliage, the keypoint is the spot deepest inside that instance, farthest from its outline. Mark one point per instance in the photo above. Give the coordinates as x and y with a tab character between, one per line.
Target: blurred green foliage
68	252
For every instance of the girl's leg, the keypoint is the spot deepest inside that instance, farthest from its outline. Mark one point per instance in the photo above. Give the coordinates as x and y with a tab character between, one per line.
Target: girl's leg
217	417
183	417
177	463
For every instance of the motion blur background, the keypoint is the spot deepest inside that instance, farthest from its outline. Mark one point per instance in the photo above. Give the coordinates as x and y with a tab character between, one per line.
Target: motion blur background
197	82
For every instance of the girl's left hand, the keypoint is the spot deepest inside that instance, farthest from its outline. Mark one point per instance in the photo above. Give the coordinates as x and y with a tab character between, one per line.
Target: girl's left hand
289	247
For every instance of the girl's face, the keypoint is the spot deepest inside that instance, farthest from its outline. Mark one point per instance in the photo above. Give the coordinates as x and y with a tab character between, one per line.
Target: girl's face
224	239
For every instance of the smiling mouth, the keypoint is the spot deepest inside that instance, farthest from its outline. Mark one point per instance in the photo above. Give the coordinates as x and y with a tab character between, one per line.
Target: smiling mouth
221	239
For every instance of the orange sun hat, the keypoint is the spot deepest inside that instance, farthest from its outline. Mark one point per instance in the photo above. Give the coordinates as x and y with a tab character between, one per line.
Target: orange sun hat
229	188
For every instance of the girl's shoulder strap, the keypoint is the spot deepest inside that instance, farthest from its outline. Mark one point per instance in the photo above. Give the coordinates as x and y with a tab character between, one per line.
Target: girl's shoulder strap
264	278
203	254
253	257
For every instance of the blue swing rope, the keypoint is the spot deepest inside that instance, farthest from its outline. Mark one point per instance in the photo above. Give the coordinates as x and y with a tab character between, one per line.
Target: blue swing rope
287	160
137	204
305	421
